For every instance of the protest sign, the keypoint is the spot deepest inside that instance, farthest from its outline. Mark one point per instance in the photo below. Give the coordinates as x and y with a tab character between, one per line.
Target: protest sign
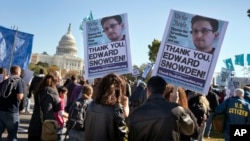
136	72
224	77
181	60
147	70
106	46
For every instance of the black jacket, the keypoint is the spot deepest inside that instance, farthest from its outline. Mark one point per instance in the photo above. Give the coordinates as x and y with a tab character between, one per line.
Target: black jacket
35	84
159	120
50	104
103	123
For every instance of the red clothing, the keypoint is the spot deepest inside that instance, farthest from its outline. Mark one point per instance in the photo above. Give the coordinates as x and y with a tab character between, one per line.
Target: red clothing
59	114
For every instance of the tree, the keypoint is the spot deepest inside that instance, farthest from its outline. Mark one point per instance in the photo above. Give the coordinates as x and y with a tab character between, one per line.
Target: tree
70	73
44	64
36	68
248	13
53	68
153	50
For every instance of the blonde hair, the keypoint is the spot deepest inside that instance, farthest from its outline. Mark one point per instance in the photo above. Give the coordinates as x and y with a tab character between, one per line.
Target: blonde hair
205	103
87	91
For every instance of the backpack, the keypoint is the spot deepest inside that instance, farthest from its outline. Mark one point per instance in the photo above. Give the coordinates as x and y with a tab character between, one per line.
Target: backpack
8	85
77	114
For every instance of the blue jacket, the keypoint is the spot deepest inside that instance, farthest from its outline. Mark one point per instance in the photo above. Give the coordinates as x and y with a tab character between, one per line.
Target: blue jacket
237	111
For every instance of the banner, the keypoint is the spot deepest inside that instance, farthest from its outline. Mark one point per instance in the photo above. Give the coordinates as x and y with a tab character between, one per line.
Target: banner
248	59
87	18
229	64
239	60
15	48
186	58
106	46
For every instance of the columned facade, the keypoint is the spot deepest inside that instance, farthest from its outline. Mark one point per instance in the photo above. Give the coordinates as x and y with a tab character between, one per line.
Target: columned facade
66	55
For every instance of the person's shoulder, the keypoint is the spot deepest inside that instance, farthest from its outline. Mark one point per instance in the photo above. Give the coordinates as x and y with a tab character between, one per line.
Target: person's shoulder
51	90
179	111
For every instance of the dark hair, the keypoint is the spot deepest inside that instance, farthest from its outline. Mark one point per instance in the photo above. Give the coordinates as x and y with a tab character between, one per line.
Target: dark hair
118	18
62	89
68	80
4	72
50	80
73	77
110	89
41	71
156	85
214	23
82	81
14	70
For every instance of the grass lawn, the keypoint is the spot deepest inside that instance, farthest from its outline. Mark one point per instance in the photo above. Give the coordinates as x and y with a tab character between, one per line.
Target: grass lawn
215	137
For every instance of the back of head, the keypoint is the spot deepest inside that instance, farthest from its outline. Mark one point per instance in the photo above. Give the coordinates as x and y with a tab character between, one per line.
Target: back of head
239	92
110	89
3	71
182	96
156	84
87	91
82	81
15	70
58	75
62	89
50	80
41	71
73	77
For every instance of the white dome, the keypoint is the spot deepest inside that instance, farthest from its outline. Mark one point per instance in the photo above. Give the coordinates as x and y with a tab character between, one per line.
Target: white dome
67	44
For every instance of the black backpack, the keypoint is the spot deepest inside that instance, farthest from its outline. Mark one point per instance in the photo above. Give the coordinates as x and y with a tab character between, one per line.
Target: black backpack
8	85
77	114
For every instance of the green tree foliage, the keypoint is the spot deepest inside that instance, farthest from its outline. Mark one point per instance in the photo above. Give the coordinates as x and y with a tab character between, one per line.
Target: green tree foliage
45	65
36	68
153	50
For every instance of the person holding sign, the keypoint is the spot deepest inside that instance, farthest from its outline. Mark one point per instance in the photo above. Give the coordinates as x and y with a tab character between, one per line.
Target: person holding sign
204	32
113	27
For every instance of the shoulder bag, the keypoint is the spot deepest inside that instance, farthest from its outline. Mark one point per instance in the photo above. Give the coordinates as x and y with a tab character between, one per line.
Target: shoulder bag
49	127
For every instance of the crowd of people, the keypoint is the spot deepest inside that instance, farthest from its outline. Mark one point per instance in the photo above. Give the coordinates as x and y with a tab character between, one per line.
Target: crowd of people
116	110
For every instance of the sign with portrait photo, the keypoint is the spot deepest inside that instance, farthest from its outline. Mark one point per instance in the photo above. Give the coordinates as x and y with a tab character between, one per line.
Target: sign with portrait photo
106	46
189	50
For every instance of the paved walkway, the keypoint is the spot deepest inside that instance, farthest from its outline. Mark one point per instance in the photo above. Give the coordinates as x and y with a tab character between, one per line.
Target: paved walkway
22	133
23	126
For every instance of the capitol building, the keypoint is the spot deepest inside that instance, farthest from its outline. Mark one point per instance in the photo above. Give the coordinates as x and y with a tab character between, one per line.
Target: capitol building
66	55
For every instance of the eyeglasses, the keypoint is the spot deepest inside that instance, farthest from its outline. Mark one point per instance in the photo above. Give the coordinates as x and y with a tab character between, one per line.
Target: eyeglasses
112	26
203	31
